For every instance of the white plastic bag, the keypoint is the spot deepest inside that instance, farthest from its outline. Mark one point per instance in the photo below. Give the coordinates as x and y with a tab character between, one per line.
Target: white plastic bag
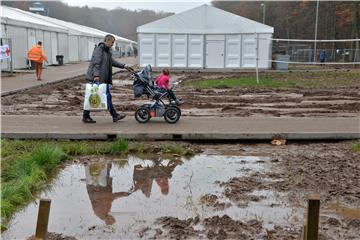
95	97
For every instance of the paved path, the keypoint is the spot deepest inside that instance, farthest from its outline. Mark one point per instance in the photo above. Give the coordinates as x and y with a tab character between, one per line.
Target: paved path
51	74
188	128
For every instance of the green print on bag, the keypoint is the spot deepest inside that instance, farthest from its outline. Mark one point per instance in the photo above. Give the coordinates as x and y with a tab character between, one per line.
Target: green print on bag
94	99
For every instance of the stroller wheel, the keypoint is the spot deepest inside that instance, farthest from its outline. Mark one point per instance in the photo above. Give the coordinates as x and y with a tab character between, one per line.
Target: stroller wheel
142	115
172	115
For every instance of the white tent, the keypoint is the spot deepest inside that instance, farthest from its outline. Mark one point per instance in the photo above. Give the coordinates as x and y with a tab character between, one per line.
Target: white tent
24	31
75	42
80	43
204	37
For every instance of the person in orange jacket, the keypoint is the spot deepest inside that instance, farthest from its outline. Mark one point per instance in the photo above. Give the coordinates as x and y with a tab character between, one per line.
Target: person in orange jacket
37	55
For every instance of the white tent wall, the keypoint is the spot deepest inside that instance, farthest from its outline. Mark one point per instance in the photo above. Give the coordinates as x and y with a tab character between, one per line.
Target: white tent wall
265	50
248	49
163	50
73	48
83	47
63	46
179	50
39	35
233	51
20	45
54	47
91	46
196	51
147	46
47	46
5	64
31	37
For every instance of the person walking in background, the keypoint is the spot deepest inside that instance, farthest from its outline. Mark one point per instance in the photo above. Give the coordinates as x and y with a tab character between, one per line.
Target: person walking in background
323	56
37	55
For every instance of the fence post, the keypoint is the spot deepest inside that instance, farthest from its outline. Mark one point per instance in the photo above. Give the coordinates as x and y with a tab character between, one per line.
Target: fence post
43	219
257	58
312	223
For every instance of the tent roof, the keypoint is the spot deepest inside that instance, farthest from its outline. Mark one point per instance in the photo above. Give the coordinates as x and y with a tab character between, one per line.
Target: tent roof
21	18
205	19
71	28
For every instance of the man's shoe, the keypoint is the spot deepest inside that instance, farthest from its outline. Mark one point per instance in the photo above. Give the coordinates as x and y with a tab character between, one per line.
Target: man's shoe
119	117
88	120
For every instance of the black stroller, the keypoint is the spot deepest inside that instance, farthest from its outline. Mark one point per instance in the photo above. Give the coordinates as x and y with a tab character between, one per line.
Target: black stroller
144	85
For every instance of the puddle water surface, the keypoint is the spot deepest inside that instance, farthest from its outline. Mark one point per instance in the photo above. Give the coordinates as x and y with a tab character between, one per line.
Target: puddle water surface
120	198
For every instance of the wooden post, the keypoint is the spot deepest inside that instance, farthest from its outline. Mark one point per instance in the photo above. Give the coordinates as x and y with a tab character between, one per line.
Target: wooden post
43	219
312	224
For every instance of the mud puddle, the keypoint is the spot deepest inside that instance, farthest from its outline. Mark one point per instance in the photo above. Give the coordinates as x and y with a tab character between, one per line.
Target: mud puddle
120	198
229	191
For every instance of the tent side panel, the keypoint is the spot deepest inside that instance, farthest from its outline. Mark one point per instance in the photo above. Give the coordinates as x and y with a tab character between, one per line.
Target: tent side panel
39	36
163	50
83	45
91	47
20	45
54	47
73	48
5	64
248	51
63	43
196	51
265	51
179	50
233	53
47	46
31	37
147	49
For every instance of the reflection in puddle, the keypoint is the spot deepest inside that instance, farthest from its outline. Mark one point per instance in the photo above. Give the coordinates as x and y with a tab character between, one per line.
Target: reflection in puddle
118	199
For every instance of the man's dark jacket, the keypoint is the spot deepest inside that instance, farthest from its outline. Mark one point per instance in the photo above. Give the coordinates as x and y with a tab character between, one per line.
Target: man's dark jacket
101	64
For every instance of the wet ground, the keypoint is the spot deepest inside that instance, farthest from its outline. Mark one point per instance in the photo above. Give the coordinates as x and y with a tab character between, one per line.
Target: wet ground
233	191
67	99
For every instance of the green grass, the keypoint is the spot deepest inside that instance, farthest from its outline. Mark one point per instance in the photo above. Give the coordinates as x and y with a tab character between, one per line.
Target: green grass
241	82
26	176
28	166
281	80
178	149
356	147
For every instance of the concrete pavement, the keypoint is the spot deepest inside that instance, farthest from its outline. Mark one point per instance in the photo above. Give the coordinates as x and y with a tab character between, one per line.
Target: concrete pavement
188	128
52	74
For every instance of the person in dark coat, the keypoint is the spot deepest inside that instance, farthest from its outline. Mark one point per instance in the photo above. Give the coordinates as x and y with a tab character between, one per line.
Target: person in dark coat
100	70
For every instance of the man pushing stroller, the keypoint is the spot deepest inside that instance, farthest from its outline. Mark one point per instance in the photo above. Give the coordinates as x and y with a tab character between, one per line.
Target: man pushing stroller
100	71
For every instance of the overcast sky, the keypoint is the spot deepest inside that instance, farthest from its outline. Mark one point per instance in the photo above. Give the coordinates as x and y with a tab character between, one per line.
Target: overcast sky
156	5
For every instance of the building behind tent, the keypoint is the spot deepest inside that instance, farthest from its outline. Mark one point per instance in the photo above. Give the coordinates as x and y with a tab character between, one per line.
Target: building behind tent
73	41
205	37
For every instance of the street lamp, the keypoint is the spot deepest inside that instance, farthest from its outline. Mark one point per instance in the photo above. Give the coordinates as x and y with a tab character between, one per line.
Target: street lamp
264	7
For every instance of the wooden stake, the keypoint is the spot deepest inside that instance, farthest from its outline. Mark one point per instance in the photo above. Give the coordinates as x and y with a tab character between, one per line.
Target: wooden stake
43	219
312	231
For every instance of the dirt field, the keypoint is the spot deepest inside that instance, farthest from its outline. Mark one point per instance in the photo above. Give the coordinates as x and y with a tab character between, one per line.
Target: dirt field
340	99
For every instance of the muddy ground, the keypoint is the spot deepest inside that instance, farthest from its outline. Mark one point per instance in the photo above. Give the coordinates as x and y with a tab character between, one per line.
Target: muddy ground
67	99
331	170
278	183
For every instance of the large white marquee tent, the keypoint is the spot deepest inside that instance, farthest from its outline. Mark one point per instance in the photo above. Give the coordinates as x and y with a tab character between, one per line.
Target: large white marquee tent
205	37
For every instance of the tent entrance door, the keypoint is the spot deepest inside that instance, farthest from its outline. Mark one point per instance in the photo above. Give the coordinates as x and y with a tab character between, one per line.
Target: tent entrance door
214	54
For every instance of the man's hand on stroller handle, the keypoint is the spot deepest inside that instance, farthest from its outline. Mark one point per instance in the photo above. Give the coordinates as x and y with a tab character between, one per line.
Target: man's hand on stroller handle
127	67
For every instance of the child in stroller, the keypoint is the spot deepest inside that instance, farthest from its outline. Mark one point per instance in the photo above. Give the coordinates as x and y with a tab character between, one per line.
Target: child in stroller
144	85
163	82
